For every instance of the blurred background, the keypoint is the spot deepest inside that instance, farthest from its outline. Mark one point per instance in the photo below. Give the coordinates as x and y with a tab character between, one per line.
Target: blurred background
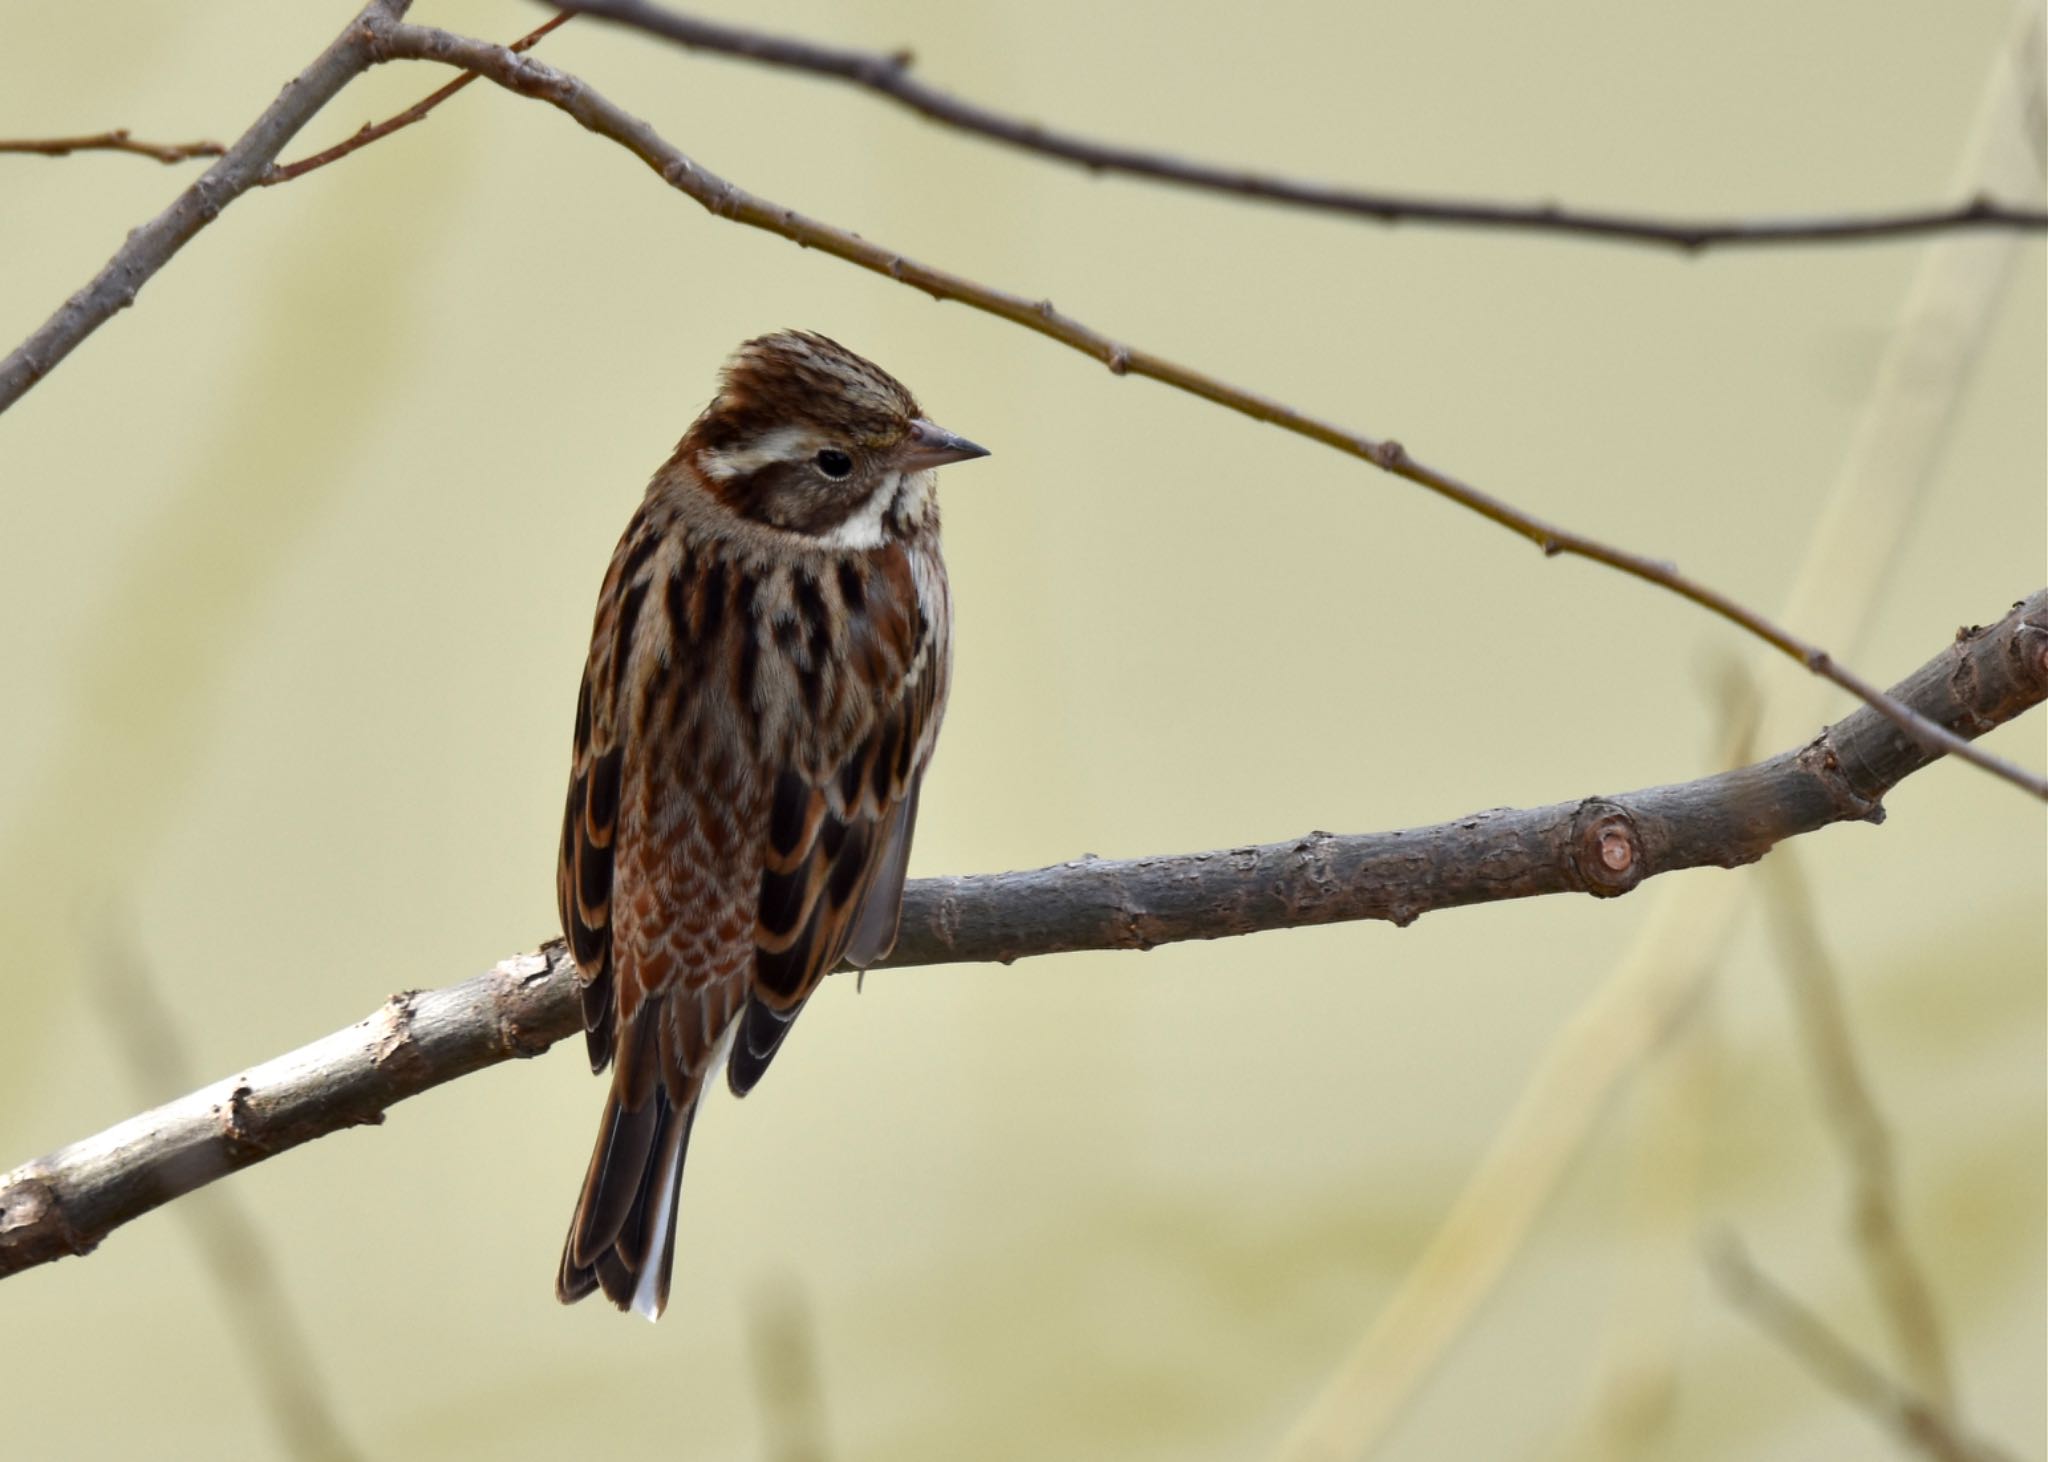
299	561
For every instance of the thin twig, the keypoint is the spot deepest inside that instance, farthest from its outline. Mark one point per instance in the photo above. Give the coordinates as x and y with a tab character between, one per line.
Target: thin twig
1851	1110
153	245
417	112
231	1243
889	75
118	140
1836	1364
67	1202
723	199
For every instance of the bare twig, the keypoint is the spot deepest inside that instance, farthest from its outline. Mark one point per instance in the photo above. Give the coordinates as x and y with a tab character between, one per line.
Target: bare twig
153	245
68	1201
889	75
528	77
115	141
1836	1364
120	141
1851	1110
368	133
231	1243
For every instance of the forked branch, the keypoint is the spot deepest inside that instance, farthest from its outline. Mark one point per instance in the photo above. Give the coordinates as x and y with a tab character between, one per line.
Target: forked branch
67	1202
418	112
378	34
724	199
148	248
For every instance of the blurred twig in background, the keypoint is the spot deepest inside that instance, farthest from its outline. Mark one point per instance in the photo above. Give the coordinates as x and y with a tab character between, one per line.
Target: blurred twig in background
67	1202
1635	1390
378	34
889	75
1836	1364
782	1336
1648	997
1850	1109
1946	318
231	1244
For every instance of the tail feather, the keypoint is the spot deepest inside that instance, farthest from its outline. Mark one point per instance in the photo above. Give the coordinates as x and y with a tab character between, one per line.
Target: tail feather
623	1238
626	1145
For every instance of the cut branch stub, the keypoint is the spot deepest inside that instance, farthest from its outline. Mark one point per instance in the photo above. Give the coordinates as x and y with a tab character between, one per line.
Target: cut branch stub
1606	851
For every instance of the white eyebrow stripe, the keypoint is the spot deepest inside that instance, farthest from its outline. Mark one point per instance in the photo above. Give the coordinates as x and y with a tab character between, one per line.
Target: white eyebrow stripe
784	444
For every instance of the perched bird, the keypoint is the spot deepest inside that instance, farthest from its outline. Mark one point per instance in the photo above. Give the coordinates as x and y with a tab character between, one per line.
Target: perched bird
766	679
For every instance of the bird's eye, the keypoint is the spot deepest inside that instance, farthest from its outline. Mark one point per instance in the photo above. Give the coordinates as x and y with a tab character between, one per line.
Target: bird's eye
833	462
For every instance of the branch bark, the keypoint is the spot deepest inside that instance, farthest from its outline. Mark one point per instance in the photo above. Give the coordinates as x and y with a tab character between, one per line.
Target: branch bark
68	1201
398	121
889	75
153	245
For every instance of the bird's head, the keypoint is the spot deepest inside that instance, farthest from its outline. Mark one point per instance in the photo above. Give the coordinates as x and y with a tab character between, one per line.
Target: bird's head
806	436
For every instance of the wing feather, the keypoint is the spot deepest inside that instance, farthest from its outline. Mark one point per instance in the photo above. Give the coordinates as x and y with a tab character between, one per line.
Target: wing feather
583	875
881	911
839	835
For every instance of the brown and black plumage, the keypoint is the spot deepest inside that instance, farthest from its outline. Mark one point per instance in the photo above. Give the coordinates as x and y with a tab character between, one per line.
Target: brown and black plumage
765	682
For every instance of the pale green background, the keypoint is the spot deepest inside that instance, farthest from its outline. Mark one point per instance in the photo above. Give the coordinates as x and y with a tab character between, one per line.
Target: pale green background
299	558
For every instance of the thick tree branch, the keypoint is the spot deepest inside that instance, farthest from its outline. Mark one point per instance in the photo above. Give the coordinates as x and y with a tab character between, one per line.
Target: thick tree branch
890	76
116	141
67	1202
153	245
570	94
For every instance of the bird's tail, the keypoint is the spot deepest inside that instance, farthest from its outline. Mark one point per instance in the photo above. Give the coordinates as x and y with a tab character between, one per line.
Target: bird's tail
623	1238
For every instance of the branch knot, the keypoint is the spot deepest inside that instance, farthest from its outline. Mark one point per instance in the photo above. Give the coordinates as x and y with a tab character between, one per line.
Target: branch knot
1606	851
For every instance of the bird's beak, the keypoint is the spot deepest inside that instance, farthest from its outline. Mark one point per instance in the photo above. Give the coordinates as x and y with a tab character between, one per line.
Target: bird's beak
934	446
